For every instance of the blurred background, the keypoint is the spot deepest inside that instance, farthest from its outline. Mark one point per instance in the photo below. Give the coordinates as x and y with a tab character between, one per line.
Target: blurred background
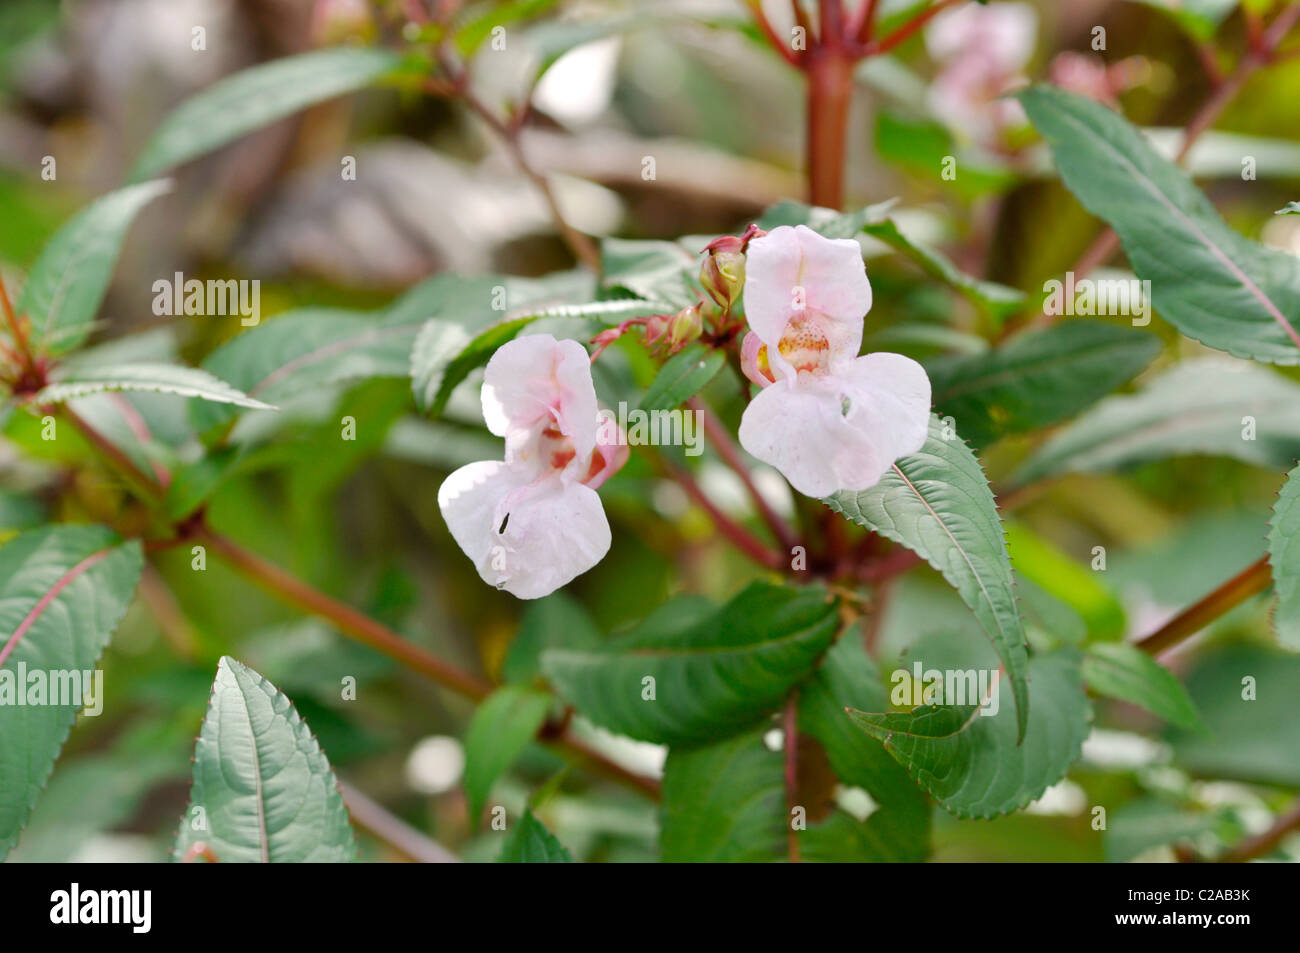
691	85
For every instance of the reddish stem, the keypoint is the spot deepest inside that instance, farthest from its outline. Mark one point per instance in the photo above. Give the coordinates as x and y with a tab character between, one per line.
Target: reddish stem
382	639
1264	842
720	437
864	25
909	28
782	47
1250	581
740	537
830	92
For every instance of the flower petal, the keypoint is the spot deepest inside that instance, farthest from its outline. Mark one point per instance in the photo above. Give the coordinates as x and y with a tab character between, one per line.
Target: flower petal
1001	35
534	381
753	360
527	539
792	266
468	499
840	432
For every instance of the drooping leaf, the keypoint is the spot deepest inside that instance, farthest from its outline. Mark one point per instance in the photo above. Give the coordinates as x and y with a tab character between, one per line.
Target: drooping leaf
1284	557
688	678
971	762
724	802
66	285
899	829
683	376
531	843
1038	378
154	378
1123	671
256	97
998	301
263	790
63	590
501	728
1209	281
1209	405
937	503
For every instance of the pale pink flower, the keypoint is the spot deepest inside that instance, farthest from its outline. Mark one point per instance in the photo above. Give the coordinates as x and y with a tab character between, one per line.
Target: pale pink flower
533	522
1091	76
982	52
826	418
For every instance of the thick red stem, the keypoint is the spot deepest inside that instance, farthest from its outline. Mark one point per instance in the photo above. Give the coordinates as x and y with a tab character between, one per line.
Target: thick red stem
830	92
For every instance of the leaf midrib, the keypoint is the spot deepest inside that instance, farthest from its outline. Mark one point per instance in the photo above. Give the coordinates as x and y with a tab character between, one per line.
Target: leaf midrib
979	579
1146	182
48	598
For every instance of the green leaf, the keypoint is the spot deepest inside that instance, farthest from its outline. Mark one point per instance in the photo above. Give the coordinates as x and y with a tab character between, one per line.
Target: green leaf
655	271
470	35
1290	208
307	349
972	763
1249	698
723	803
998	301
67	284
683	376
1141	825
938	504
304	350
531	843
556	621
63	590
921	146
899	830
263	790
155	378
1123	671
256	97
1038	378
1284	557
1209	281
715	673
1198	407
500	730
448	349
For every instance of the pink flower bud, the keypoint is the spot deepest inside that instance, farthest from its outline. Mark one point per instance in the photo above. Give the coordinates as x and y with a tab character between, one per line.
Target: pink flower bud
723	276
